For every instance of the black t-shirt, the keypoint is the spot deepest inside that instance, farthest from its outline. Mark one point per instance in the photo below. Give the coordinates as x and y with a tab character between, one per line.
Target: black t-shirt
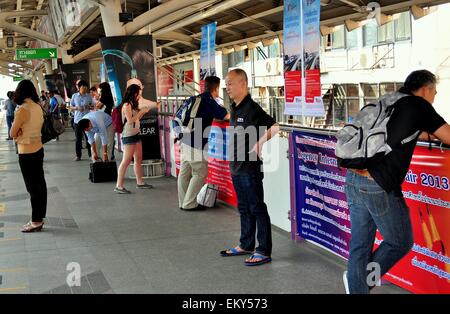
208	110
249	122
411	114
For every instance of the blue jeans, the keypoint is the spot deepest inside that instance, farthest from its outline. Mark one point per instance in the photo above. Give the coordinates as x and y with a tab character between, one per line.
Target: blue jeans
9	122
372	208
253	211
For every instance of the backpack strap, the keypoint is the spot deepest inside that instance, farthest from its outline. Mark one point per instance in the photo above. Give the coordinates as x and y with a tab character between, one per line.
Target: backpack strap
194	111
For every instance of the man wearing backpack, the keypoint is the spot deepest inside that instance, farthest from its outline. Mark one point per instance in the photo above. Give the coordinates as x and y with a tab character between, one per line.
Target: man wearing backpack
374	194
194	165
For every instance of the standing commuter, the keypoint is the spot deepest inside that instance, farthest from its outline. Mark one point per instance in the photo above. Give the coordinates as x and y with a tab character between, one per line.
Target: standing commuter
81	103
375	196
26	130
10	107
132	144
194	165
246	169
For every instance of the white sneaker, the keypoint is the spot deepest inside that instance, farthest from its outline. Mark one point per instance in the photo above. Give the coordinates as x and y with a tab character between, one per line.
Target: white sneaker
345	280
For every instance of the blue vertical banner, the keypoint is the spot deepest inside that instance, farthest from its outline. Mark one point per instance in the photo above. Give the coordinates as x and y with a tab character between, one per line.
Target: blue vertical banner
313	105
102	72
292	61
208	52
323	216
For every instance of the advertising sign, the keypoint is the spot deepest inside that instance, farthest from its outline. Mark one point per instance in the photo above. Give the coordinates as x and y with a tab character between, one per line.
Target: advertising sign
71	73
292	57
129	60
218	165
322	211
303	93
426	268
313	106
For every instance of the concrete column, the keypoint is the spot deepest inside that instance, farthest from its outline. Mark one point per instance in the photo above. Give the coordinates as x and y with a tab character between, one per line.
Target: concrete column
48	67
110	18
41	81
36	85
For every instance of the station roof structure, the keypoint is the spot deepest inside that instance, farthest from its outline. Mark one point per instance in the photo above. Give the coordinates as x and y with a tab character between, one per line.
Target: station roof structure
179	32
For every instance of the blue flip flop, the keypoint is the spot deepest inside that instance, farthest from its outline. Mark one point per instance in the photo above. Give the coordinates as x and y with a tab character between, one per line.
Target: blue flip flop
264	259
234	252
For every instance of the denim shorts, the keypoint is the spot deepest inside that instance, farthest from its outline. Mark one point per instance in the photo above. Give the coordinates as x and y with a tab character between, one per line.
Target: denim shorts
131	140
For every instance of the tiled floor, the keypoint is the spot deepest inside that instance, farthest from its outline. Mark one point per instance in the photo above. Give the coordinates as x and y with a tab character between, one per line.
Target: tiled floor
138	243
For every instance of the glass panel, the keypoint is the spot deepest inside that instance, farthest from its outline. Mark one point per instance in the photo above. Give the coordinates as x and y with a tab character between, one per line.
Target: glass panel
403	26
352	39
352	108
339	112
369	101
370	90
338	38
261	53
370	33
274	50
352	90
386	88
386	33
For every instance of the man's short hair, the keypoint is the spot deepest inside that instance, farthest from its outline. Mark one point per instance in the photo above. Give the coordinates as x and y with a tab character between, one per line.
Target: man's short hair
83	124
82	83
211	83
240	73
418	79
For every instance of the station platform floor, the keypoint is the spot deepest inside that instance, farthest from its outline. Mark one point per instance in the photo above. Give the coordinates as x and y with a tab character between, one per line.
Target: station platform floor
138	243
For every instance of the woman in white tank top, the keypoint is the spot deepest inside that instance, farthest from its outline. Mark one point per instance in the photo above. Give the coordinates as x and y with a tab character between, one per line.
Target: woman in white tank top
132	145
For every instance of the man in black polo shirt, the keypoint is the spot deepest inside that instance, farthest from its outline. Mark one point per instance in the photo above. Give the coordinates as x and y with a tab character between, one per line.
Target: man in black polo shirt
250	128
375	196
194	165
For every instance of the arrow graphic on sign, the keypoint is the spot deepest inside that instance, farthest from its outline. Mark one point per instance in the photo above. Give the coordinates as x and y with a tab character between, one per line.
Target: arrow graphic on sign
52	55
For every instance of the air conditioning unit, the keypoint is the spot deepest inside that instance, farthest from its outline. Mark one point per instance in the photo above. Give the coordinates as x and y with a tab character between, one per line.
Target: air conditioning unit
158	52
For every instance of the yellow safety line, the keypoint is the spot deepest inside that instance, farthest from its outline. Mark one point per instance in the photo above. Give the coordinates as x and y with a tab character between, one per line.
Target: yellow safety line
12	270
12	289
8	228
3	167
10	239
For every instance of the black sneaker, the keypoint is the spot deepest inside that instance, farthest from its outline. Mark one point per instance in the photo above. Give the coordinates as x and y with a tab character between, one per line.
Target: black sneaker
144	186
121	190
198	208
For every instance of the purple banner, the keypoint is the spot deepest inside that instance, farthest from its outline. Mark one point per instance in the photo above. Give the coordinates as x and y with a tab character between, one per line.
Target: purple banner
322	211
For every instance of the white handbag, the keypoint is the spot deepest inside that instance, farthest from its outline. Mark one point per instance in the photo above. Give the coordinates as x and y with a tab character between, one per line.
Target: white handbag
208	195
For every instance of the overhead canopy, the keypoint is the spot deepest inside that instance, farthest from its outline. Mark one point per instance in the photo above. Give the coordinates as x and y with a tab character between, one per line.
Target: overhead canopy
248	20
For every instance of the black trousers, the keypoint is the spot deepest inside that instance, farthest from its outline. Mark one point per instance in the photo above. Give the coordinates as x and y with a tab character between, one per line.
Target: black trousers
79	134
32	167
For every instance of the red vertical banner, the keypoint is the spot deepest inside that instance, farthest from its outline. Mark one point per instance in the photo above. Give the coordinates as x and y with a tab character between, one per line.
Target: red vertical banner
165	81
426	268
292	60
313	105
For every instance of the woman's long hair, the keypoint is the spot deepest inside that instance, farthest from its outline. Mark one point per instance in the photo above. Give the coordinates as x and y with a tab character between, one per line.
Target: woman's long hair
25	90
106	97
131	96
